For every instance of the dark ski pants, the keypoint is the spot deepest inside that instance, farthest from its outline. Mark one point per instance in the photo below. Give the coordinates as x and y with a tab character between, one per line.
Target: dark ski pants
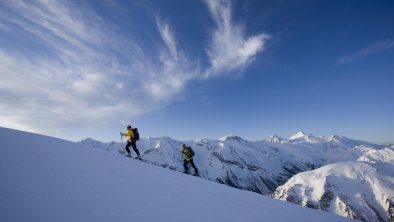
185	162
132	143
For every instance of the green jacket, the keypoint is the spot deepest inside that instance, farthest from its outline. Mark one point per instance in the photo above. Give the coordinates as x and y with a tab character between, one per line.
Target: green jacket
186	152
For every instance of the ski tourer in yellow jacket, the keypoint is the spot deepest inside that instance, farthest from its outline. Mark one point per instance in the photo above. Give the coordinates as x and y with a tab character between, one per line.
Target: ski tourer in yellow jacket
131	142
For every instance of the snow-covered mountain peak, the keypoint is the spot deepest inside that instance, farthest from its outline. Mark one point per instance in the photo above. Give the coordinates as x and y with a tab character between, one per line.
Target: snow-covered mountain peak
111	146
336	137
88	140
230	137
297	135
275	139
91	142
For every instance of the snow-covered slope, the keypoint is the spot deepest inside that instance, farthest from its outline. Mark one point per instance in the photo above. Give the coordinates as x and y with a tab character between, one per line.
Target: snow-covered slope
259	166
355	189
384	155
47	179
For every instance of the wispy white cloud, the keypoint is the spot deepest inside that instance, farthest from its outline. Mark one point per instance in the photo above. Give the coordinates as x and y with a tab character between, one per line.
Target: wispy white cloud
168	77
365	52
230	50
85	71
168	38
83	82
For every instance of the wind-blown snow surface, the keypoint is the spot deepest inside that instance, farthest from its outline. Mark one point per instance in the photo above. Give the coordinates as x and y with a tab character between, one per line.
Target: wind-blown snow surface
355	189
47	179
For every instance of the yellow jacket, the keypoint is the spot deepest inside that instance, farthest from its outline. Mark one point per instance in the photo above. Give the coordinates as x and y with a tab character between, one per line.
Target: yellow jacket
129	134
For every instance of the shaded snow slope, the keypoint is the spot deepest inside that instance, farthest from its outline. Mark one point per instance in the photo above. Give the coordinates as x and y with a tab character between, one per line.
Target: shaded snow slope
47	179
354	189
259	166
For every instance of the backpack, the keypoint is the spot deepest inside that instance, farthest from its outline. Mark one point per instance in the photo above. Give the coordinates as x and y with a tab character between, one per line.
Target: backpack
136	134
191	152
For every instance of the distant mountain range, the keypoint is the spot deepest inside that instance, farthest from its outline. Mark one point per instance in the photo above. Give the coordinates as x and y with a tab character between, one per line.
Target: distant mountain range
269	167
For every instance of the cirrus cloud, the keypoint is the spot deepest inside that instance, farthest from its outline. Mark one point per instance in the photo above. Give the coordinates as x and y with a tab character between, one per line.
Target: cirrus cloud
230	49
365	52
78	69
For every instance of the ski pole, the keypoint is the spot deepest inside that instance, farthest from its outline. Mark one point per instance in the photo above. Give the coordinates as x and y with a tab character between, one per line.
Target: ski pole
121	138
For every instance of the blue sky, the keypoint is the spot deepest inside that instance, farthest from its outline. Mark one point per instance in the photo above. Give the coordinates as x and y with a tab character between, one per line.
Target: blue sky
198	68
